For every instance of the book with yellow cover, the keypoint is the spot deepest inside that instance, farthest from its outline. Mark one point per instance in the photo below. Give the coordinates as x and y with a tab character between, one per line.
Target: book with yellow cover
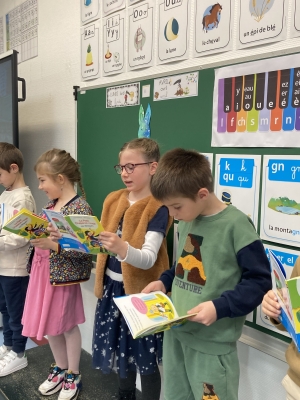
146	314
27	224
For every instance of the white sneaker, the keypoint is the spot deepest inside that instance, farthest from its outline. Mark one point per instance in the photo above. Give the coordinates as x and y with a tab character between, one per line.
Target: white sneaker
3	351
11	363
71	387
54	382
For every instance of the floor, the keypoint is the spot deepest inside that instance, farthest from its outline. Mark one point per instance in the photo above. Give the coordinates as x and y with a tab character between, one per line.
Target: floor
23	384
258	370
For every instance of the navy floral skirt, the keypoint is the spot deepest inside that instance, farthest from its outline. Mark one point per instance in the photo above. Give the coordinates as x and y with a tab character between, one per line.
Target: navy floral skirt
113	345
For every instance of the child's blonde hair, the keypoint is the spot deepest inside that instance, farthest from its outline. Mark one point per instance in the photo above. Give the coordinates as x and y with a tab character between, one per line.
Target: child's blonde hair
148	147
54	162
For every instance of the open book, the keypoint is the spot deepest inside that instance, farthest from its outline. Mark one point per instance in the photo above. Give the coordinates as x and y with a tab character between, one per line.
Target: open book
146	314
288	294
25	223
79	232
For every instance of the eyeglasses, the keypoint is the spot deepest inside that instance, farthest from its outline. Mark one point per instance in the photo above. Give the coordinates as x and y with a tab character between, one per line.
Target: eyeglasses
129	168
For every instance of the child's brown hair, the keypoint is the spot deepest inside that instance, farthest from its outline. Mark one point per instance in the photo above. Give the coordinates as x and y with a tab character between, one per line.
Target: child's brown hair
148	147
10	154
54	162
181	173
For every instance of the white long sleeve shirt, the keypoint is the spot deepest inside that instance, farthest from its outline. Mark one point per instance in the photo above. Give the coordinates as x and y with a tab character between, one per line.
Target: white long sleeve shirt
13	248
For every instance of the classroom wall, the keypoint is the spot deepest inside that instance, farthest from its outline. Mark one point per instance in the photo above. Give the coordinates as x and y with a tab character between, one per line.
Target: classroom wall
48	119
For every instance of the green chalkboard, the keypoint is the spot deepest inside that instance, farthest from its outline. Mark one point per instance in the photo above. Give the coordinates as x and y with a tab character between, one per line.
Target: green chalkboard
182	122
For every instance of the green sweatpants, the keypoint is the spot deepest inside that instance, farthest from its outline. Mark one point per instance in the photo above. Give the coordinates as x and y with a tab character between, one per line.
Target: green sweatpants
192	375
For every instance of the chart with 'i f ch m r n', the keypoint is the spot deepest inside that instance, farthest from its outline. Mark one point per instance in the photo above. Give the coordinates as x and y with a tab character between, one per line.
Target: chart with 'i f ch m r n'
258	104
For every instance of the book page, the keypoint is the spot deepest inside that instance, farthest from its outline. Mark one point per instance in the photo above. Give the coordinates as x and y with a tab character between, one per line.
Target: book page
87	229
58	220
163	326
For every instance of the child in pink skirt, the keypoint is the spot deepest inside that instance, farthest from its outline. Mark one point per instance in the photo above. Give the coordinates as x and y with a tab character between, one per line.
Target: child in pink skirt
54	305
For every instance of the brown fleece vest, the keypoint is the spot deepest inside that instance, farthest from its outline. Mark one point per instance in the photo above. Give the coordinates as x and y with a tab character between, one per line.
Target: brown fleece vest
135	223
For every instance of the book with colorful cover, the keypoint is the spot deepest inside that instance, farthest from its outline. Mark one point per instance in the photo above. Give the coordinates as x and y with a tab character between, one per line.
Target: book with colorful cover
147	314
27	224
7	212
79	232
288	294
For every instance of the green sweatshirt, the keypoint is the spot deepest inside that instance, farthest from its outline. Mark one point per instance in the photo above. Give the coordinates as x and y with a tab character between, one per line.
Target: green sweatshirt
208	269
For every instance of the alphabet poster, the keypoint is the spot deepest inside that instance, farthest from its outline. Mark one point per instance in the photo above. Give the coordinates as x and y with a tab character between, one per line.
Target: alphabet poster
176	86
237	182
288	259
110	6
261	22
212	27
295	21
140	36
173	30
90	9
113	44
280	202
257	104
90	68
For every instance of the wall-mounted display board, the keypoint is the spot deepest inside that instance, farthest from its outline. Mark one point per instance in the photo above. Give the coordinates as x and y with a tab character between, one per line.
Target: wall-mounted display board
181	121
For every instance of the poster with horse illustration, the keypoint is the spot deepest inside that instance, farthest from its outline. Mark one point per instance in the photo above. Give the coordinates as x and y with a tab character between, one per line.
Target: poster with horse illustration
213	24
261	22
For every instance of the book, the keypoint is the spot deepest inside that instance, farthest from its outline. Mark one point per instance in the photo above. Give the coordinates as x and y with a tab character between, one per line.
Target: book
288	294
79	232
146	314
7	212
26	224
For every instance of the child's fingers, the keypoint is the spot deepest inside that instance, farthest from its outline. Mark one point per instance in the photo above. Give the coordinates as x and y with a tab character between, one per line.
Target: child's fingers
271	308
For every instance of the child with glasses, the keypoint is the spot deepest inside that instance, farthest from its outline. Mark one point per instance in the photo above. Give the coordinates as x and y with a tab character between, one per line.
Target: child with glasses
136	226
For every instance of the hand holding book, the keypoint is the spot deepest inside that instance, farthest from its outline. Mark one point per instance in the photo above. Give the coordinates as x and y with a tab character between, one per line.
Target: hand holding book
206	313
270	305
